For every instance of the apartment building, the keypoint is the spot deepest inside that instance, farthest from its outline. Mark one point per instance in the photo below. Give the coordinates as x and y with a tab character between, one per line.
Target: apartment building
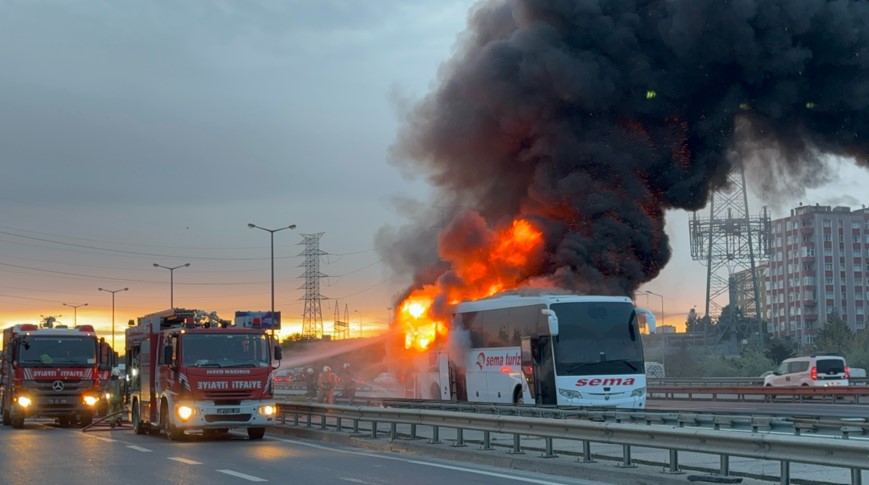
818	265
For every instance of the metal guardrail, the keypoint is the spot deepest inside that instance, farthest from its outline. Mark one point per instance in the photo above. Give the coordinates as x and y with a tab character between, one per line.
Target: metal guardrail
725	381
820	425
849	454
849	394
844	427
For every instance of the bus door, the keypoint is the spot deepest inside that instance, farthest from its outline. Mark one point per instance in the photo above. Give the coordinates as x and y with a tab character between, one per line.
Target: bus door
544	364
443	368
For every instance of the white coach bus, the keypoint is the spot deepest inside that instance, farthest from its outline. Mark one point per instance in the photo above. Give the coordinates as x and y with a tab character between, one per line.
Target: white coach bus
546	349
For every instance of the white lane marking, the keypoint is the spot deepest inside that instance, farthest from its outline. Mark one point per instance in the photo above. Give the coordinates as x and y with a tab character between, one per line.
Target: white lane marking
139	448
107	440
354	480
435	465
185	460
243	475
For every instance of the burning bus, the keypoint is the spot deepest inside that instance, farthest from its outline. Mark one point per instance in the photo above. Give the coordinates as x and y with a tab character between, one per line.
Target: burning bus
544	349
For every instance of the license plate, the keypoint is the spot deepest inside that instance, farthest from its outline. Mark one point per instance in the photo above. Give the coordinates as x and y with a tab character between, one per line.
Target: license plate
228	411
57	401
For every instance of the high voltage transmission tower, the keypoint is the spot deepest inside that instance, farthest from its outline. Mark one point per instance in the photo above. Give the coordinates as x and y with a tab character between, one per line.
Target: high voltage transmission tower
730	243
341	328
312	318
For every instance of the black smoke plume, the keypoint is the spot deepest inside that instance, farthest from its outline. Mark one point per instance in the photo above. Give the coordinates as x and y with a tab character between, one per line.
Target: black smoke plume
593	118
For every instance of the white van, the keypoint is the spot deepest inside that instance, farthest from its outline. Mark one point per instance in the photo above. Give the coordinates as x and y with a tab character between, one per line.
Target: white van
817	370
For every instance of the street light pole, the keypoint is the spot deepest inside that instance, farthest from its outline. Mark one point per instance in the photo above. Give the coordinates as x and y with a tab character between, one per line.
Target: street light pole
171	280
113	311
272	236
75	312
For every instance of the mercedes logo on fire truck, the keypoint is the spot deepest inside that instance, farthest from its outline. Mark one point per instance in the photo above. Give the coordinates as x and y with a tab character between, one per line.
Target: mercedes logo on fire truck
57	386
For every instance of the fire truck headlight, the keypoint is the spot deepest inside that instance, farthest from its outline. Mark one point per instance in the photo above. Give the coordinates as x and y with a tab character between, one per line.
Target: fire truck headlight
24	401
90	400
268	410
570	394
638	392
184	412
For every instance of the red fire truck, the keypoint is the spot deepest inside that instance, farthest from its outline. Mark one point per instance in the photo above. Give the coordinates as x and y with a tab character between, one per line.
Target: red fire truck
50	370
191	370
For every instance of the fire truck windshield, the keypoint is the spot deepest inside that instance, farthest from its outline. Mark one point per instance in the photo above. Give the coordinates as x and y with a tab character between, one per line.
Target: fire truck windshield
597	338
58	351
224	350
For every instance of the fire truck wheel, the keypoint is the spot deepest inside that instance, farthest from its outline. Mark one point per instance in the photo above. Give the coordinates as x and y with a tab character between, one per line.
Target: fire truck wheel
174	434
17	420
85	420
63	421
172	431
7	419
138	425
256	433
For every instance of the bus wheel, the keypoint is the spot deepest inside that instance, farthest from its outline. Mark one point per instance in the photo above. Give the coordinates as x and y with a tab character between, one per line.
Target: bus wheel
256	433
517	396
63	421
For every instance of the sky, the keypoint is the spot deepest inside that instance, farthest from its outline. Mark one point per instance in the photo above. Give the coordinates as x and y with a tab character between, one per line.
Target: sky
135	133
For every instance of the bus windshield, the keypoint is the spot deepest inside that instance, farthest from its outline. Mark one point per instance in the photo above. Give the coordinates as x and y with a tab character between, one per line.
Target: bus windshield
225	350
597	338
58	351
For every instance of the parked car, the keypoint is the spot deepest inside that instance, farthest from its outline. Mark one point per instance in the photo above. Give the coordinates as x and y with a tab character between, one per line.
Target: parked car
817	370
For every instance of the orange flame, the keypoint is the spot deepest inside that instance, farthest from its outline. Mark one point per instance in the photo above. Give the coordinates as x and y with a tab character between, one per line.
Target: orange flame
502	263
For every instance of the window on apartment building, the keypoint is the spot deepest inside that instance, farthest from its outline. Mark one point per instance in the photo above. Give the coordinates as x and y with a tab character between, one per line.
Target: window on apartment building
855	225
828	238
828	223
828	266
828	251
828	281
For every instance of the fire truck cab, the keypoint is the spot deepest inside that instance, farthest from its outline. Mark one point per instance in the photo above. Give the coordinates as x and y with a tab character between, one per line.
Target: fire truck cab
191	370
51	370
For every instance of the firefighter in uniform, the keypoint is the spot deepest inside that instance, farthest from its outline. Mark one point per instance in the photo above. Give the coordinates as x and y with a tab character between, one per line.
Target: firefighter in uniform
349	383
327	383
310	383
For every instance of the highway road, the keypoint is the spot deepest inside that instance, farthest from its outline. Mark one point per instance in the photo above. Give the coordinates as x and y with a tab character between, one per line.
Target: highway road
44	454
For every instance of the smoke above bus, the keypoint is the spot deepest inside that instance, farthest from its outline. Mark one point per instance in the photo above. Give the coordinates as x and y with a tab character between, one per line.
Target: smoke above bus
560	133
